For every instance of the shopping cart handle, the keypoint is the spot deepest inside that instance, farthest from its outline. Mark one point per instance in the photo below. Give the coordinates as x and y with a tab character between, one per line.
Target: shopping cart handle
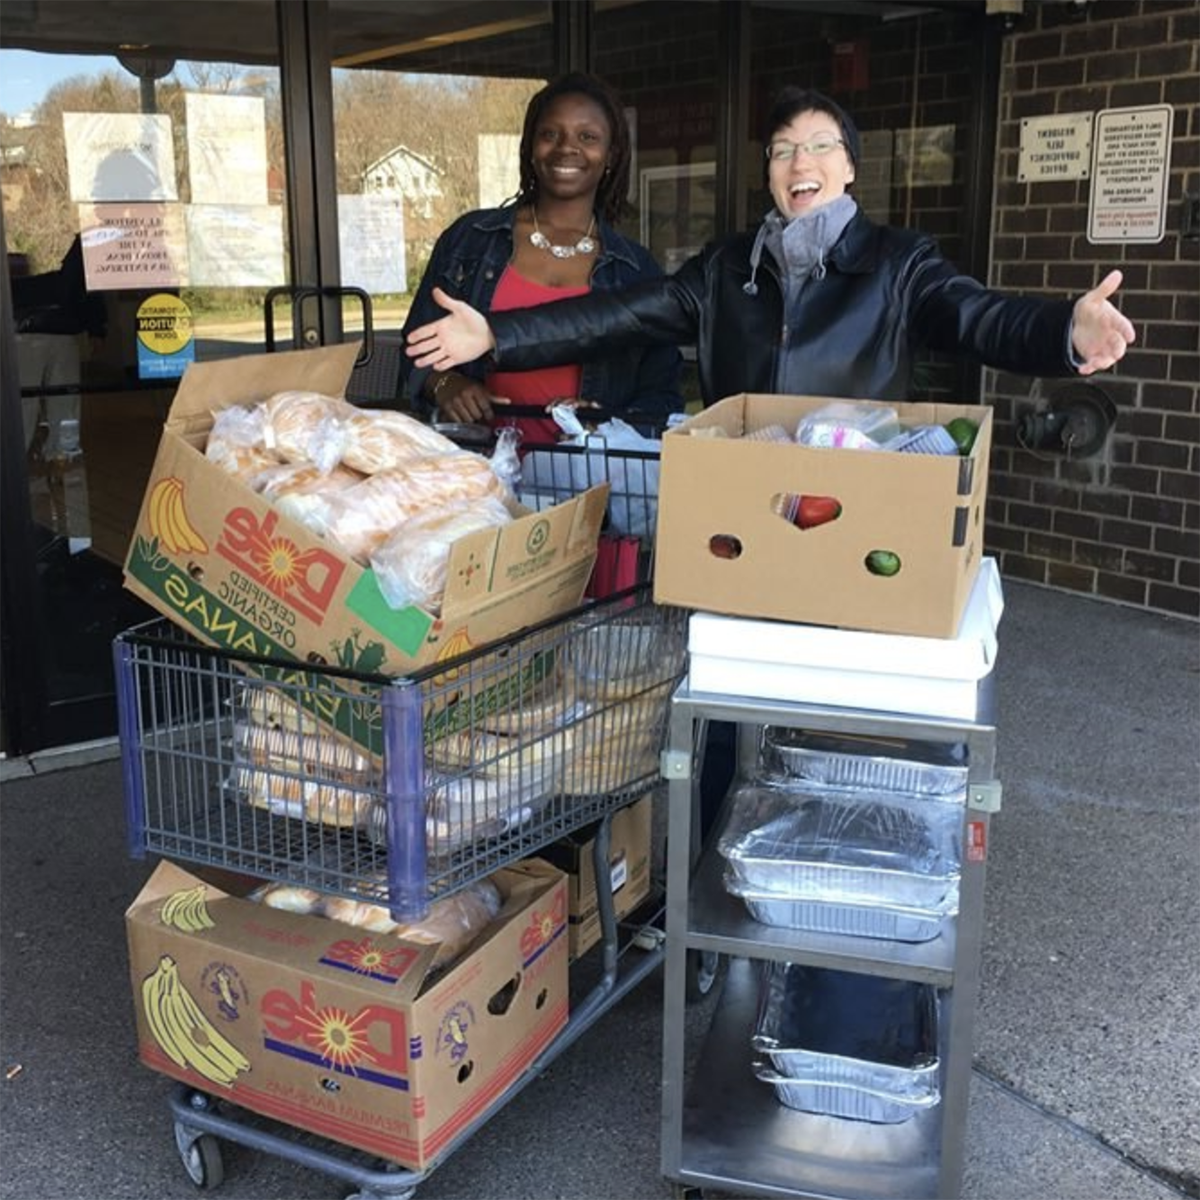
589	414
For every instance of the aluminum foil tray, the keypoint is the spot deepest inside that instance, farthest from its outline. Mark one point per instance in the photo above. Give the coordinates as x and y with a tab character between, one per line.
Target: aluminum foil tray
843	1016
852	847
844	761
853	920
844	1100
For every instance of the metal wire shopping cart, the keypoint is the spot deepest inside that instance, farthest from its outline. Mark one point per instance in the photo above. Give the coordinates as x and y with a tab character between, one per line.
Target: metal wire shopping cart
422	785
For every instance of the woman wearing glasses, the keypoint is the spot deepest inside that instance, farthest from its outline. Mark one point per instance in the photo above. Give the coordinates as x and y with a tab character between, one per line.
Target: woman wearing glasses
552	242
818	301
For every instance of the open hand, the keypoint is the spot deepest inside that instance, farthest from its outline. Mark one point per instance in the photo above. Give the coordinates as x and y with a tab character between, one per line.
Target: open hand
461	337
1099	333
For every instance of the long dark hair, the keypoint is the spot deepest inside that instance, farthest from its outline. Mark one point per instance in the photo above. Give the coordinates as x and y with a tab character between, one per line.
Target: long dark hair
612	194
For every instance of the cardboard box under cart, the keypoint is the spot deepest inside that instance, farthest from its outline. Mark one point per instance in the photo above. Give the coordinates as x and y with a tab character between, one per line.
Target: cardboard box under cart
629	866
252	580
723	547
327	1027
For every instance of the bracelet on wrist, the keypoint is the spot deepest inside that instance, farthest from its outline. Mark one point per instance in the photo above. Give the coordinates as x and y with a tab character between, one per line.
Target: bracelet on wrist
439	383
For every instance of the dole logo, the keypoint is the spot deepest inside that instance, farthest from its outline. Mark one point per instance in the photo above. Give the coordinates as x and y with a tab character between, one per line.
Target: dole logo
306	579
369	1044
363	956
546	922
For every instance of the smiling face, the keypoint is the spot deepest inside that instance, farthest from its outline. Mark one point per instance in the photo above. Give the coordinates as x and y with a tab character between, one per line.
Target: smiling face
805	182
570	147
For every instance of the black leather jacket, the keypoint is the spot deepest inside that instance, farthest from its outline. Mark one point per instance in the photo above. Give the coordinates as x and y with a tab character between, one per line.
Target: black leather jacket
883	294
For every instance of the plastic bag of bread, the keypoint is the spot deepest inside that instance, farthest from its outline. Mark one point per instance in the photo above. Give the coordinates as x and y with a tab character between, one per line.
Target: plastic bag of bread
507	783
301	753
275	709
618	745
319	801
304	492
410	564
235	443
453	923
289	898
363	516
373	440
295	422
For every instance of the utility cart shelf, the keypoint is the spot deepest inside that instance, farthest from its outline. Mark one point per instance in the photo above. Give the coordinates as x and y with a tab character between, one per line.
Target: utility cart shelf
725	1129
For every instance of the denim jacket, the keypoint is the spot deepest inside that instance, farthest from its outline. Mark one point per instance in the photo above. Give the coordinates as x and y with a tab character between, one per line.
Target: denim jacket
467	262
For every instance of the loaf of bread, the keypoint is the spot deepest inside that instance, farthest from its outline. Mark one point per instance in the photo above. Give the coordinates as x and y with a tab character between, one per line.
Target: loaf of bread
289	898
374	440
304	492
294	423
235	443
315	800
363	516
410	564
299	753
452	923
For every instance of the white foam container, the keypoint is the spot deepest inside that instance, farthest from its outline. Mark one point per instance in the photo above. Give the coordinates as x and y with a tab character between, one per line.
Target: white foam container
817	664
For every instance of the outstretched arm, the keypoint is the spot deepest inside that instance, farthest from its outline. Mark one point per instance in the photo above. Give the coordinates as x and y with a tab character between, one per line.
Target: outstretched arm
461	337
1099	333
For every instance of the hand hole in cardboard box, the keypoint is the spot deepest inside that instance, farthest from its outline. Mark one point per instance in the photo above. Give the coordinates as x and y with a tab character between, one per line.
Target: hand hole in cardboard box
464	1072
502	1000
725	545
196	571
806	512
541	998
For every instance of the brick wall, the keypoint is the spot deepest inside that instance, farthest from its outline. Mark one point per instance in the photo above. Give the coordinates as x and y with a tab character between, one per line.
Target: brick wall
1123	524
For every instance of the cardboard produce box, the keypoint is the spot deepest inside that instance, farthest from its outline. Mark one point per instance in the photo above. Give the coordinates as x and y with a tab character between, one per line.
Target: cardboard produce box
629	862
723	547
250	579
327	1027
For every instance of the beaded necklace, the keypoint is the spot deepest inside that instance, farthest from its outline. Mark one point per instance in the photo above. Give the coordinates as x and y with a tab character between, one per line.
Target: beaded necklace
585	245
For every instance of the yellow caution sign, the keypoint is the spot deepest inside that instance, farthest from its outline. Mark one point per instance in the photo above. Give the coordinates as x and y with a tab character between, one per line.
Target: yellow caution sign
164	332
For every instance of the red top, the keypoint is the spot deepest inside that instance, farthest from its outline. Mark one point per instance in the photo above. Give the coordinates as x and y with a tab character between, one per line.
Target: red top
532	387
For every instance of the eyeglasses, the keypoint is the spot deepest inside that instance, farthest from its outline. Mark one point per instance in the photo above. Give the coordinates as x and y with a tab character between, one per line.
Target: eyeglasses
784	151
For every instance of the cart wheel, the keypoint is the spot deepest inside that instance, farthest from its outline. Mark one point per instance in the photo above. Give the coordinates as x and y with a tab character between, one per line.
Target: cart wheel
686	1191
704	968
203	1163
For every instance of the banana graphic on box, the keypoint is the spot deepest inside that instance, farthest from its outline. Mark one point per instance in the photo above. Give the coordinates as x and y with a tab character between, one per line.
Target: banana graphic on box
185	1034
168	519
186	910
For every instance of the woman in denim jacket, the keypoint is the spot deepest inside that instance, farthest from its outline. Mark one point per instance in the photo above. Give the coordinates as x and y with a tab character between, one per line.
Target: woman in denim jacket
555	240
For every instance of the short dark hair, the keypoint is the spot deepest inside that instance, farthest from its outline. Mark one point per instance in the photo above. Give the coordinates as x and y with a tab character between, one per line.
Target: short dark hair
793	101
612	194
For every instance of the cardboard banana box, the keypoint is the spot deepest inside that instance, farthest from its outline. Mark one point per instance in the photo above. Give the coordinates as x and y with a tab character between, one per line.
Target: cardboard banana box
339	1031
219	560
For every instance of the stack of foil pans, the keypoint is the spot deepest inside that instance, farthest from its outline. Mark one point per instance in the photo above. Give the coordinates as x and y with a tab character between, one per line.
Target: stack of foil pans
847	1045
856	862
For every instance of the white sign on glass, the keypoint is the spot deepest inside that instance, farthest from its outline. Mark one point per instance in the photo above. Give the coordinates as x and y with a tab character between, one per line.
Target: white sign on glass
235	245
227	149
127	246
499	168
1131	159
119	156
371	242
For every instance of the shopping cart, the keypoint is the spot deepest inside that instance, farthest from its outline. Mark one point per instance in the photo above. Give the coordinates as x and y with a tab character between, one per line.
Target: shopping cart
551	474
423	785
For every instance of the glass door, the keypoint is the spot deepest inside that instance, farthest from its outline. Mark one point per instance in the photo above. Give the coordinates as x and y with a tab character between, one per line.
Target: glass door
144	213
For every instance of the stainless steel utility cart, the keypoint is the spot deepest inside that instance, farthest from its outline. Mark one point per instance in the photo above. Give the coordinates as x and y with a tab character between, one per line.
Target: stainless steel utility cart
725	1129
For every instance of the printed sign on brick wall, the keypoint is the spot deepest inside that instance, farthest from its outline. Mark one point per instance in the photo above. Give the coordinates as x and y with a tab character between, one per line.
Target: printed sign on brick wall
1131	157
1055	147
